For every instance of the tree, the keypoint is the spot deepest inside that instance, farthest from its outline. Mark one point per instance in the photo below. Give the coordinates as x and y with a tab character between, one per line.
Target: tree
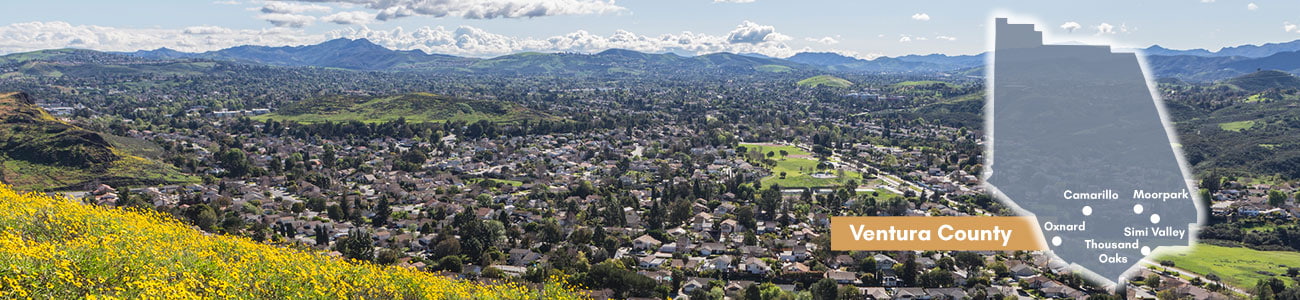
357	245
1152	281
388	256
752	293
382	211
970	261
322	235
450	264
1276	198
907	271
235	162
867	265
937	278
202	216
769	200
825	289
745	216
1212	182
850	292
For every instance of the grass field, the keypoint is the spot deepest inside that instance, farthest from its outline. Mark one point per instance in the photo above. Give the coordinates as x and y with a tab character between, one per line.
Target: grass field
799	166
774	68
825	80
1239	267
1237	126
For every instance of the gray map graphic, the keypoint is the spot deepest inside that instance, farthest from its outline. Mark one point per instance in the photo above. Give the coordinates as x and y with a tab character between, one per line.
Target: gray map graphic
1077	140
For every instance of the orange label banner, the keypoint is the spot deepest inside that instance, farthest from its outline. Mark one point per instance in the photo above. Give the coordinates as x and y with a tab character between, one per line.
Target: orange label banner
936	233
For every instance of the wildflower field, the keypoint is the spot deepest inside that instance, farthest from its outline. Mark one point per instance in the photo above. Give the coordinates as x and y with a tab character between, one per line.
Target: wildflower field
52	248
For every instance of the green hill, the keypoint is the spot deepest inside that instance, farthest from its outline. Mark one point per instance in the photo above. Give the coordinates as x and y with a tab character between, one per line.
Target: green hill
415	107
825	80
39	152
1265	80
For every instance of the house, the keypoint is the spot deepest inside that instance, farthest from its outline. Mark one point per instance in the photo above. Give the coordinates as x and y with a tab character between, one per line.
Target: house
947	293
959	277
888	278
522	257
795	268
720	263
875	293
842	277
911	293
651	262
645	242
668	248
702	221
729	225
884	262
711	249
1058	290
694	283
1022	270
842	260
735	288
768	227
756	266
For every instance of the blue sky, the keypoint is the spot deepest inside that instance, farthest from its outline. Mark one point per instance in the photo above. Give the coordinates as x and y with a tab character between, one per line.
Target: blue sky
773	27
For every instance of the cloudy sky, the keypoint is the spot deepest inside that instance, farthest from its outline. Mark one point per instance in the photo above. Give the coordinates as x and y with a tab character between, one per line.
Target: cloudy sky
779	28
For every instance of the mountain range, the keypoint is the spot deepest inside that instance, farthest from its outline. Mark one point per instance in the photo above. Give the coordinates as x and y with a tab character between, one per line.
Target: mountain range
1189	65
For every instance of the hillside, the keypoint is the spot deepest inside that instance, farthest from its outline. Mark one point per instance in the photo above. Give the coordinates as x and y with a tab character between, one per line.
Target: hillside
1265	80
61	249
825	80
415	107
39	152
358	54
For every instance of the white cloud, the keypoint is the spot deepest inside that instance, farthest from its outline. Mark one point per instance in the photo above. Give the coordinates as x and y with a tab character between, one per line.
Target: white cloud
1288	27
463	40
921	17
31	36
205	30
482	9
754	33
946	38
1252	6
824	40
1071	26
905	39
1105	28
349	18
471	41
293	8
226	2
733	1
288	20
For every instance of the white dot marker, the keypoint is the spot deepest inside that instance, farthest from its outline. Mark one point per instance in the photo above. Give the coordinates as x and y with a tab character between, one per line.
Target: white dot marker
1137	208
1146	250
1155	218
1087	210
1056	240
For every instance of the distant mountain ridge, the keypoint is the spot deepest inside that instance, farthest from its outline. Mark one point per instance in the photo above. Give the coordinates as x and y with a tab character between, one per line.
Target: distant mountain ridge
1251	51
361	54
